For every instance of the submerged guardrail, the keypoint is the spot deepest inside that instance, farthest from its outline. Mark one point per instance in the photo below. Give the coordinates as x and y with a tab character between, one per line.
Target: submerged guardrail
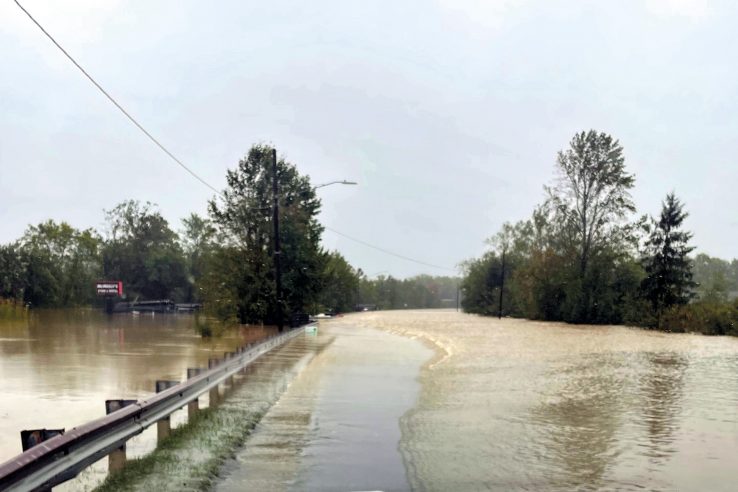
62	457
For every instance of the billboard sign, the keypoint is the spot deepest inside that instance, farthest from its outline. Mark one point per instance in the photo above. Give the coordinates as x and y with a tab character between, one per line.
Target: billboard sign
109	288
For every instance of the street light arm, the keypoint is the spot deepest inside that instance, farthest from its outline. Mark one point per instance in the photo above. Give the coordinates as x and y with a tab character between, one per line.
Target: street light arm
344	182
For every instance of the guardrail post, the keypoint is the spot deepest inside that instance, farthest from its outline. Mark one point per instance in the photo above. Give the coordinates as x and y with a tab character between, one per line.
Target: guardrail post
194	406
164	426
116	458
229	379
244	349
214	394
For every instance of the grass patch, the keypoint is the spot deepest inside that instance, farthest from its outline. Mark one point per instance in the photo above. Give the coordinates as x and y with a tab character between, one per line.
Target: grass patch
189	459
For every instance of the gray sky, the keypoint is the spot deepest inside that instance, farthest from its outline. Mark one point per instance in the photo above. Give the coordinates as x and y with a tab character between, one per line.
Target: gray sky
449	113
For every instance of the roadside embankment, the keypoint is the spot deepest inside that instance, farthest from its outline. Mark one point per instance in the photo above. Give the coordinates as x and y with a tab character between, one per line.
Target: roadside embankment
193	454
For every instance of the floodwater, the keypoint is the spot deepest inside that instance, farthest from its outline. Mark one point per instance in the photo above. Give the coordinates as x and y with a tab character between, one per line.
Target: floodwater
422	400
58	367
438	400
520	405
337	425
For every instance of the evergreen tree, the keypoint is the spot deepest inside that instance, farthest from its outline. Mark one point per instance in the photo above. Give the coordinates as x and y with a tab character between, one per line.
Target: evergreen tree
668	269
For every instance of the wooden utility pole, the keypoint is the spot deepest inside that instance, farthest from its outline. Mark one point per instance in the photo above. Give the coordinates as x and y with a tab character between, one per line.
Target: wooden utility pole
502	283
277	250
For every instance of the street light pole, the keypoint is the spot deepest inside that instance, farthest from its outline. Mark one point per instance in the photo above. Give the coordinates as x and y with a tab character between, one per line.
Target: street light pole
277	249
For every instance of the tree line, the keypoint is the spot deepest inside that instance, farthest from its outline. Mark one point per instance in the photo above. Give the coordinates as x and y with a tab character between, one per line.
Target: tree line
585	257
223	260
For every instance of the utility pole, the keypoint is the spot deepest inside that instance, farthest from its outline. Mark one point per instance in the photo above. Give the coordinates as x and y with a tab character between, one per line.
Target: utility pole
502	283
277	249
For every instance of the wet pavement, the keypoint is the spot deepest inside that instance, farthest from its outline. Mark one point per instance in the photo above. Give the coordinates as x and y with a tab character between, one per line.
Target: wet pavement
337	426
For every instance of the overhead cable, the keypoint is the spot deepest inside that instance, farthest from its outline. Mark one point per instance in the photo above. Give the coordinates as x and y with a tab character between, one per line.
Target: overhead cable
178	161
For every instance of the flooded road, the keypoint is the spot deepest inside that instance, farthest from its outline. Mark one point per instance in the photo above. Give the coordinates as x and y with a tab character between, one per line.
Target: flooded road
520	405
423	400
337	427
58	367
499	405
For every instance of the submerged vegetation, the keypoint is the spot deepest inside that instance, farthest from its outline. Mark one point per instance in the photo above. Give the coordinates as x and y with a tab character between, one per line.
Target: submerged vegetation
584	258
13	311
192	454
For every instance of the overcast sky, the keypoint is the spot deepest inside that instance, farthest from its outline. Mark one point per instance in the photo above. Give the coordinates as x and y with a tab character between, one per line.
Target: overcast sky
448	113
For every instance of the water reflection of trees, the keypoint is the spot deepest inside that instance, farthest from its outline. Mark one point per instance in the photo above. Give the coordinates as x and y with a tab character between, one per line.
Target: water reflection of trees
599	406
58	352
661	391
579	422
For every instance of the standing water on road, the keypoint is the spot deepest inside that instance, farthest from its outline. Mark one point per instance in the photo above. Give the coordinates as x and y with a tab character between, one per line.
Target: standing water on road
514	404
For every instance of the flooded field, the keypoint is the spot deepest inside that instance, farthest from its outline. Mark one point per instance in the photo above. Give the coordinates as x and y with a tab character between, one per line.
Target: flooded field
58	367
519	405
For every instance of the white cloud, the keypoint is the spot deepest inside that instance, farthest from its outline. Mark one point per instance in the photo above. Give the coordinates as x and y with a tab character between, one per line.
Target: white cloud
695	9
73	21
486	13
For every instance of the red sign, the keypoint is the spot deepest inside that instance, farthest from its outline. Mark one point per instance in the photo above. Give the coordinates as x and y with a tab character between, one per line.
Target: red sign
109	288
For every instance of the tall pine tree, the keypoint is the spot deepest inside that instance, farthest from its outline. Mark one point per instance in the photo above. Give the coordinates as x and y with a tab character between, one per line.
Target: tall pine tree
668	279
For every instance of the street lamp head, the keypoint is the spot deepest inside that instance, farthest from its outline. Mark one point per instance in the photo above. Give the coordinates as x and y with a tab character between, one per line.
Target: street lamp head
344	182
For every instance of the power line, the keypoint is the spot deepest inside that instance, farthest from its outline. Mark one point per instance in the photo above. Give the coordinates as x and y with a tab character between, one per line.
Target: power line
117	105
385	251
179	162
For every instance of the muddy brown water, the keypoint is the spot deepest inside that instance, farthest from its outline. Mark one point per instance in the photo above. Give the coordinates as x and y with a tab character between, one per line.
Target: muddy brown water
482	404
520	405
57	367
500	405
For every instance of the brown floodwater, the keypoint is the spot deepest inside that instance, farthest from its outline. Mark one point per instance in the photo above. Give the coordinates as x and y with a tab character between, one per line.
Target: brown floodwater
496	404
57	367
521	405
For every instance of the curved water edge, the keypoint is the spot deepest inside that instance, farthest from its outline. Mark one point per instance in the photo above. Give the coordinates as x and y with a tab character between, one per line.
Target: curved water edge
338	427
514	404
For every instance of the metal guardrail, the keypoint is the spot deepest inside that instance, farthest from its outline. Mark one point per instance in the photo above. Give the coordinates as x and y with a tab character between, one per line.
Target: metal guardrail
62	457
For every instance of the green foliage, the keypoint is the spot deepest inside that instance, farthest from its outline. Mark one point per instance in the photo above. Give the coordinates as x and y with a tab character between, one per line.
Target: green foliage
61	265
243	218
716	279
668	269
584	216
702	317
340	289
419	292
198	242
577	260
481	285
13	281
144	253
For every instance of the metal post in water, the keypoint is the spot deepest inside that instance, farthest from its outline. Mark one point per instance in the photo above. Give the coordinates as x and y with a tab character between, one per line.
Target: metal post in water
194	406
229	379
164	426
117	457
214	394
